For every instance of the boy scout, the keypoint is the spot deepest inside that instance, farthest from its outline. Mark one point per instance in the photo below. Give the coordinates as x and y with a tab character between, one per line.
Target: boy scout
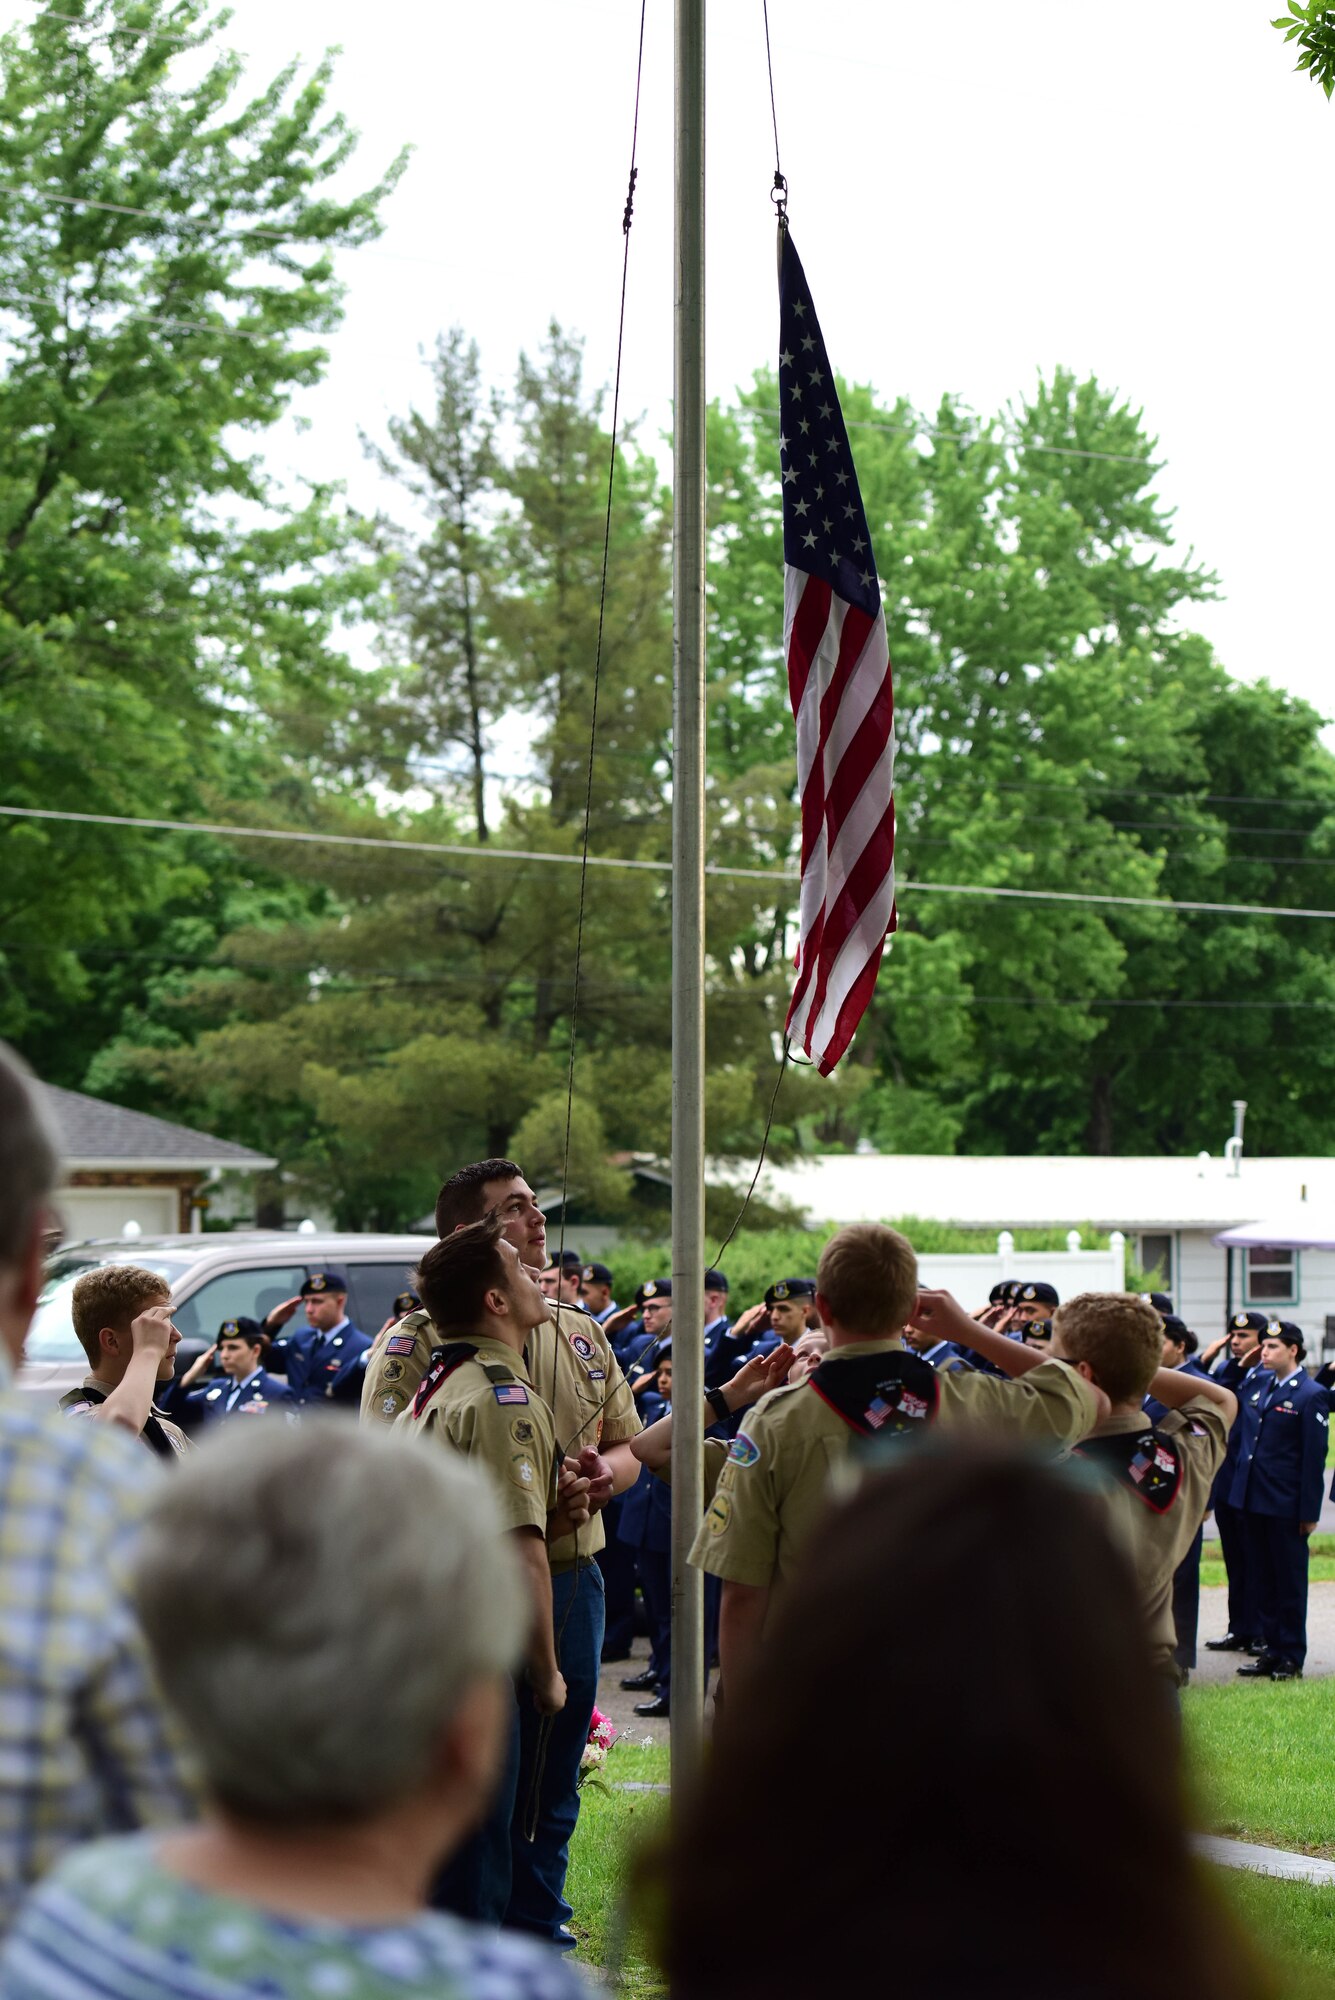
570	1365
776	1481
476	1398
1161	1471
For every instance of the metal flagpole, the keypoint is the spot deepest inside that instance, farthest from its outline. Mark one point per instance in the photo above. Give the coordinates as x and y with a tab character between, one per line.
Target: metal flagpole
688	890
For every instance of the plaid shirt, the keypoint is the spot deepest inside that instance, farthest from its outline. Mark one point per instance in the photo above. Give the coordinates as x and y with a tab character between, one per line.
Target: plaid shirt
85	1745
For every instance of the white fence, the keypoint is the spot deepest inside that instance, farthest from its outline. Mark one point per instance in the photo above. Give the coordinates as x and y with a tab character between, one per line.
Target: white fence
971	1276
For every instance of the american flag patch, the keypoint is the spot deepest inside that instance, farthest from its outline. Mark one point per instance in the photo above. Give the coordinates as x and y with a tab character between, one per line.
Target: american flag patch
511	1392
401	1343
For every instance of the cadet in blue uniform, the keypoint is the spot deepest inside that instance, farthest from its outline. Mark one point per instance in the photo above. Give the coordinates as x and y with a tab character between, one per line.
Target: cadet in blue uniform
595	1292
247	1390
1231	1361
325	1361
645	1529
1179	1350
1278	1484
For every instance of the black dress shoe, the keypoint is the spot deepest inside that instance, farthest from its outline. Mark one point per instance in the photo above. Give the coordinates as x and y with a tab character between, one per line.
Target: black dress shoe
1230	1643
1285	1670
1257	1647
1258	1669
640	1683
658	1706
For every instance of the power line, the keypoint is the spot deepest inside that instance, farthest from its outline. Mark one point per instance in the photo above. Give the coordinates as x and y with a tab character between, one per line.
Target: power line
153	319
787	875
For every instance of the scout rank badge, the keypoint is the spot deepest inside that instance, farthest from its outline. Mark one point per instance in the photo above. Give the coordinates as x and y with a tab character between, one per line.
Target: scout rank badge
879	1395
588	1354
1146	1461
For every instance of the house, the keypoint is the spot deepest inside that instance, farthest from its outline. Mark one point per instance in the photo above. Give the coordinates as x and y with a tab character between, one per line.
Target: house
1170	1210
125	1167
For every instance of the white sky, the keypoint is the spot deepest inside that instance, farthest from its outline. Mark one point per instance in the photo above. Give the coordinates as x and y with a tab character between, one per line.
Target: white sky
979	191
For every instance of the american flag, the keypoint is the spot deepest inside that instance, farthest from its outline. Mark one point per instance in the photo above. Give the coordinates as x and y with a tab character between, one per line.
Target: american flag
840	687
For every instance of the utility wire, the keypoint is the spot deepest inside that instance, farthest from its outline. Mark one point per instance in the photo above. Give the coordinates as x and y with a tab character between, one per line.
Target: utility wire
787	875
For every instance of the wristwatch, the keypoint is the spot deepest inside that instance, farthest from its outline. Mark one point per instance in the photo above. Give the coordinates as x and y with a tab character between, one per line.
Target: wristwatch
718	1403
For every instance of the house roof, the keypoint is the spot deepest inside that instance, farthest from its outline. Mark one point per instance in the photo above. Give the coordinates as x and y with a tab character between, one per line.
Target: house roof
95	1134
1046	1192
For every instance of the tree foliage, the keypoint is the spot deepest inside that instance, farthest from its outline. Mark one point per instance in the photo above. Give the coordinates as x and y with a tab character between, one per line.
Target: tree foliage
166	610
1312	27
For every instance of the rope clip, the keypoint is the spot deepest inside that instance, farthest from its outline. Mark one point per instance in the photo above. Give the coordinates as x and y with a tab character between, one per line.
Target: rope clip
778	194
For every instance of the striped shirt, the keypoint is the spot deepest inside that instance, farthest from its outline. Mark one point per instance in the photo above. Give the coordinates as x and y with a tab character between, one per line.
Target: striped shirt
85	1745
110	1924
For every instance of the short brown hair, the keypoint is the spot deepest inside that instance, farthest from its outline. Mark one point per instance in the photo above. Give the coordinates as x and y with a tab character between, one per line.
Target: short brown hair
456	1274
463	1197
113	1295
868	1276
1118	1334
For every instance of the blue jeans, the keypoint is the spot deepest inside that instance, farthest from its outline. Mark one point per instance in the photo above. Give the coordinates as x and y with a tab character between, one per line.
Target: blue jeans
475	1882
546	1799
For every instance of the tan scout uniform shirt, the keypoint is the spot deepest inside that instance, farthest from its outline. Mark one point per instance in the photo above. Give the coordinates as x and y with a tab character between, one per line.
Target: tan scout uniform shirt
96	1392
574	1370
392	1374
1156	1543
510	1440
776	1482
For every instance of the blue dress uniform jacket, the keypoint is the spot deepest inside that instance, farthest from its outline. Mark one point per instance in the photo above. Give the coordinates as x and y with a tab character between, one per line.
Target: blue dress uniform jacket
260	1394
1281	1455
322	1366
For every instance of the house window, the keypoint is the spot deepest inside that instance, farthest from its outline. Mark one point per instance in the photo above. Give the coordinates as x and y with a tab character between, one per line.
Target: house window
1156	1261
1272	1276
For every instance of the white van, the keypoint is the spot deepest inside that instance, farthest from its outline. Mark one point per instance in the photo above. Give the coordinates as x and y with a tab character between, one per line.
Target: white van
213	1278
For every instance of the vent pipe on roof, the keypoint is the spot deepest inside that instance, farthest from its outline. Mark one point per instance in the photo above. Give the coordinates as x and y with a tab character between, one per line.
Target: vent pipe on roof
1233	1146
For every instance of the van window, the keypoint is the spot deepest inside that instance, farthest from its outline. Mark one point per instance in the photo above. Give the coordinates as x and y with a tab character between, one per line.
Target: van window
248	1294
374	1288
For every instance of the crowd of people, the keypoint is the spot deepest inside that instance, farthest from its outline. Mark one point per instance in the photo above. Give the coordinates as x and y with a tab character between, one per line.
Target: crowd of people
976	1526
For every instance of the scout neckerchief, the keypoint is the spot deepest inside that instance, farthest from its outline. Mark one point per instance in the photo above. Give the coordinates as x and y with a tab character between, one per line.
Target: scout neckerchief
153	1435
878	1395
1148	1463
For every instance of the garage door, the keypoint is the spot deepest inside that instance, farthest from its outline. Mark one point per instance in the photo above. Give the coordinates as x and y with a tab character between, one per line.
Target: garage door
89	1212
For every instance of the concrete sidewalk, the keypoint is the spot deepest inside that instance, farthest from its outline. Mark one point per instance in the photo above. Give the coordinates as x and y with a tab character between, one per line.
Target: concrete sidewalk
1220	1668
1264	1860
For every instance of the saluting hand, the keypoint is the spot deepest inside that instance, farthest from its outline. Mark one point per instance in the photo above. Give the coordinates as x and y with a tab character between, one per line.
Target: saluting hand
941	1315
748	1321
153	1333
756	1377
281	1314
199	1367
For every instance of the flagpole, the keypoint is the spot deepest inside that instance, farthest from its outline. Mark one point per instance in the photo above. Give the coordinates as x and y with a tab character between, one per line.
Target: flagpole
688	889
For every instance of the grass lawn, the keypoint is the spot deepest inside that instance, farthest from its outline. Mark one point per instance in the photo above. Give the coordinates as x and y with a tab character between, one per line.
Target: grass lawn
1320	1566
1260	1772
1261	1764
610	1824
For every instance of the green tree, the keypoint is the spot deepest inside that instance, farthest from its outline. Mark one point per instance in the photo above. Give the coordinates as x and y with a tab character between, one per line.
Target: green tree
1313	28
166	608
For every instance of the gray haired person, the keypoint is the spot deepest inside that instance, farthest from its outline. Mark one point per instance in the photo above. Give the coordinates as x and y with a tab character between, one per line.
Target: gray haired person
86	1746
335	1617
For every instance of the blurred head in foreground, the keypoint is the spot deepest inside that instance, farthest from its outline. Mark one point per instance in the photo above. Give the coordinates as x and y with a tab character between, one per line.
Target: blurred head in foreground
958	1680
272	1571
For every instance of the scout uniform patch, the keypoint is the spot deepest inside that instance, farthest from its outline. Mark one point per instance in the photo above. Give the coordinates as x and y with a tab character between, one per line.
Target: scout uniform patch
1146	1462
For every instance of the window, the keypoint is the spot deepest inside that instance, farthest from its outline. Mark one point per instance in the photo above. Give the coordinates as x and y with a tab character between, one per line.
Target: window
1272	1275
1156	1261
237	1294
373	1290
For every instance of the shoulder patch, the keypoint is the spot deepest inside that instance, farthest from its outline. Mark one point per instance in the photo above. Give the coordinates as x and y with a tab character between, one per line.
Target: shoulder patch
743	1450
401	1343
510	1392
